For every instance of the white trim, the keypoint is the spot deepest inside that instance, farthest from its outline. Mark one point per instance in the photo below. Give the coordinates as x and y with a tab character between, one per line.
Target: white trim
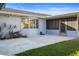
59	26
77	26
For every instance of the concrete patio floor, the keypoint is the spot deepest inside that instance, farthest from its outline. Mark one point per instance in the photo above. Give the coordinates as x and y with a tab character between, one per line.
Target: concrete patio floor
13	46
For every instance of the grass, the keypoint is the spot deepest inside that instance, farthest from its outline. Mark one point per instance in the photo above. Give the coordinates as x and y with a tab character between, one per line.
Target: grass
66	48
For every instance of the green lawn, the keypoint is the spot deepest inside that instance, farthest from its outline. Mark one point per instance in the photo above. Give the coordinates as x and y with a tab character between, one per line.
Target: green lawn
66	48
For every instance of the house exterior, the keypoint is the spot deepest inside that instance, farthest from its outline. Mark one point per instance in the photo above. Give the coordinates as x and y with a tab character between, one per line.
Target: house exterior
28	23
65	24
31	24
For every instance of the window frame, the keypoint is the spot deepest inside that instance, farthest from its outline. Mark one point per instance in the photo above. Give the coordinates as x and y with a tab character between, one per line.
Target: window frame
30	24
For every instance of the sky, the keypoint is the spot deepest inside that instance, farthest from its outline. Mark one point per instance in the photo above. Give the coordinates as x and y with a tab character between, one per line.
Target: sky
46	8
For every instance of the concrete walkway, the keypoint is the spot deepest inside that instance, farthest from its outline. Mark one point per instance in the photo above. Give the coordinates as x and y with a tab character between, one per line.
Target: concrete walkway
13	46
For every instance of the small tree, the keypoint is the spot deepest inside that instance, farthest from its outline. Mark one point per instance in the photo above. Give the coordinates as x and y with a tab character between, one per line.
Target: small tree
2	5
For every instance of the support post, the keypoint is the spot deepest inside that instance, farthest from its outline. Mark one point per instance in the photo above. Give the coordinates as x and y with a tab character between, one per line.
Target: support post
77	27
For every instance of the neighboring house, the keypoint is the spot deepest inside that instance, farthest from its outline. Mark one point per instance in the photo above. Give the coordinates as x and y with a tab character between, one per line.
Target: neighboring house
31	24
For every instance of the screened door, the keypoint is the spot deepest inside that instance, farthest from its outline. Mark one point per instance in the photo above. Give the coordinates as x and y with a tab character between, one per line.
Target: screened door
63	27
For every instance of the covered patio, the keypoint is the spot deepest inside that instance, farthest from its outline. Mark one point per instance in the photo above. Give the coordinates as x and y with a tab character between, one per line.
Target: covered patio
13	46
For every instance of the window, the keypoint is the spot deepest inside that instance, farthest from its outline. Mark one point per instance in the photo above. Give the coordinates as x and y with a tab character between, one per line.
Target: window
32	23
71	24
52	24
25	23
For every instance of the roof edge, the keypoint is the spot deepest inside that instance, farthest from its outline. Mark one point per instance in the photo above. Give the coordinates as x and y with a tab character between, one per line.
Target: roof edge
7	9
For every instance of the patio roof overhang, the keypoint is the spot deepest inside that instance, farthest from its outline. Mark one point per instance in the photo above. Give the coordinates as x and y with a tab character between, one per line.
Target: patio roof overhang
63	16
